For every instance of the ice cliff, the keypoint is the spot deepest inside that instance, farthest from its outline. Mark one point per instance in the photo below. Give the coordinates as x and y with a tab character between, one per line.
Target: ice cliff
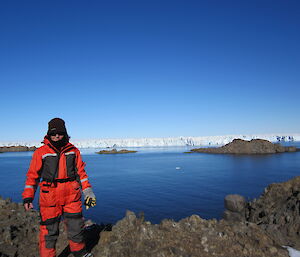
169	141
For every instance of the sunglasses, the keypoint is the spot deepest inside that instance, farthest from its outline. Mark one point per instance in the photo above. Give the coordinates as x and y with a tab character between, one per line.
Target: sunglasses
56	133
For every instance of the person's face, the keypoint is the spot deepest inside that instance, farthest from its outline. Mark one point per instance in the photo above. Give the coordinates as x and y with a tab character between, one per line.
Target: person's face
56	137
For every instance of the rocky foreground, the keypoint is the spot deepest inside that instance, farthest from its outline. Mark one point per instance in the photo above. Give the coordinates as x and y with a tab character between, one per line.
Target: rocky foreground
254	146
253	229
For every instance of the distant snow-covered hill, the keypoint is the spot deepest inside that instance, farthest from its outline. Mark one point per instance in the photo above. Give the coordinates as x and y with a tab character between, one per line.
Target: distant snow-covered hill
169	141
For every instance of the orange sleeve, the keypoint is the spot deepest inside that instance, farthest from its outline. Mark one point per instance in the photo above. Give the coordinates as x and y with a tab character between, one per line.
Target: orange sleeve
81	171
33	175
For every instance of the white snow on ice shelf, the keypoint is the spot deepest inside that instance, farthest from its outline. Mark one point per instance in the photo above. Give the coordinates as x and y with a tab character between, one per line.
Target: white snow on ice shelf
165	142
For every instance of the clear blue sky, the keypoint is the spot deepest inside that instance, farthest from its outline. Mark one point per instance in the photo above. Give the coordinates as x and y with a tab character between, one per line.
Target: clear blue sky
115	69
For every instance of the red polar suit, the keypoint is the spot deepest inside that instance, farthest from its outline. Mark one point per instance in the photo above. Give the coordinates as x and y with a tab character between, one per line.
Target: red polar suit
63	177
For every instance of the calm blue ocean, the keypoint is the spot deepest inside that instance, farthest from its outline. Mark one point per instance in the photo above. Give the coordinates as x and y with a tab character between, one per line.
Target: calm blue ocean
163	182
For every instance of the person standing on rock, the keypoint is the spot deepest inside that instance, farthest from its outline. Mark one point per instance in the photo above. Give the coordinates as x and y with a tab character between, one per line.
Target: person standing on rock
59	166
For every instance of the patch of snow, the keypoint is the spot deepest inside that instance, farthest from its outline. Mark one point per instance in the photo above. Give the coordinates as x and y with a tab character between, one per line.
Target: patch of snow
292	252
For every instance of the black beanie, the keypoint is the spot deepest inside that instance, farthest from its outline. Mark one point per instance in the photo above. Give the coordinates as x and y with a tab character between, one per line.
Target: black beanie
57	125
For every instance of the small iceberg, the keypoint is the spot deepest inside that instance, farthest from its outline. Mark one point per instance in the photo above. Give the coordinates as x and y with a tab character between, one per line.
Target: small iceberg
178	168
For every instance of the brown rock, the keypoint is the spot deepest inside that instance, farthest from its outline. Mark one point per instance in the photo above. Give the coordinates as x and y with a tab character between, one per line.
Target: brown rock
114	151
191	236
18	148
235	203
233	216
278	212
254	146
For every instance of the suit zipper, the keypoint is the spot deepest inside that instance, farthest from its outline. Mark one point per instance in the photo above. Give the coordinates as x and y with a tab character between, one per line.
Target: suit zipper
58	154
57	165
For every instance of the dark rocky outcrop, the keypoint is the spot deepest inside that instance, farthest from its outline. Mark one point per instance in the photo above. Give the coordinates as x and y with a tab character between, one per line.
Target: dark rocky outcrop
19	148
19	232
254	146
191	236
115	151
252	229
276	211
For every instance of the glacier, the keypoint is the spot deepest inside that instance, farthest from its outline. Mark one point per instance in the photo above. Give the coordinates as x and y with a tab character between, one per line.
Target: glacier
166	142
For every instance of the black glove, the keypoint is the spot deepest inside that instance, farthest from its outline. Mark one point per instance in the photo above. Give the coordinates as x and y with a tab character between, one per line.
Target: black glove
27	200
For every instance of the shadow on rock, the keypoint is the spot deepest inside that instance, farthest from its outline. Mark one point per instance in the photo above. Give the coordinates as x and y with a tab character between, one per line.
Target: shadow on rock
92	237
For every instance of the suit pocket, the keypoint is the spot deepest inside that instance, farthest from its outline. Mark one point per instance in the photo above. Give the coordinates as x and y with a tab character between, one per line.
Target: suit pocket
47	197
75	192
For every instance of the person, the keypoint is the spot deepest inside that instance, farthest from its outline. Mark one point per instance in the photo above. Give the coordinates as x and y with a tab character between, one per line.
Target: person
58	169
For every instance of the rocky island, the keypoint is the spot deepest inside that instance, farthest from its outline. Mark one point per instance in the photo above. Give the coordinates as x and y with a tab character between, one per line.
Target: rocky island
257	228
115	151
240	146
19	148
